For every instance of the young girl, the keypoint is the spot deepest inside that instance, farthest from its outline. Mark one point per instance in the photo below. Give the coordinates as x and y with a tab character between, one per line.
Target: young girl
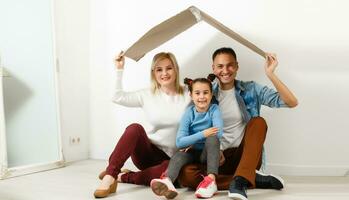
198	138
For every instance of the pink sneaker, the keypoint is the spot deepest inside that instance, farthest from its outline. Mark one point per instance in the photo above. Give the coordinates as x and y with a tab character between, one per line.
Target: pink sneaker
207	188
163	187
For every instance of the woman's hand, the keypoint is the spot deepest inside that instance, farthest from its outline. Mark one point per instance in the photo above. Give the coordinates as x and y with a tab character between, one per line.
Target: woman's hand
210	132
120	60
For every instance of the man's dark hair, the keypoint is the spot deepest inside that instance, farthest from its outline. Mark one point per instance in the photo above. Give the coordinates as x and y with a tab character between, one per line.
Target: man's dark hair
224	50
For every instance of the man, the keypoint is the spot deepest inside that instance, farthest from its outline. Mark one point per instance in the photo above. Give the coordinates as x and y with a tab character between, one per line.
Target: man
244	129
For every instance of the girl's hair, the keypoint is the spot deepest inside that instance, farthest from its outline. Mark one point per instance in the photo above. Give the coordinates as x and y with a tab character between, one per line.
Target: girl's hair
207	80
155	86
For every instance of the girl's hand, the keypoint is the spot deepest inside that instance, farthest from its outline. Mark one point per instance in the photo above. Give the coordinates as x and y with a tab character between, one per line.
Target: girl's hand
120	60
210	132
186	149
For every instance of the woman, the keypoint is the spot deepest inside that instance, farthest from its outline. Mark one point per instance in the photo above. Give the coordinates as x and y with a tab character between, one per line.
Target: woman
163	104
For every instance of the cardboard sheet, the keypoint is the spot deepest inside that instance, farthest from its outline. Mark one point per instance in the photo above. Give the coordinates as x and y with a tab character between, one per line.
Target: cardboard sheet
178	24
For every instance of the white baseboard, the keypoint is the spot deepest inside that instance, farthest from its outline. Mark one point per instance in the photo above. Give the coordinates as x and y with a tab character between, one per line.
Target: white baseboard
29	169
308	170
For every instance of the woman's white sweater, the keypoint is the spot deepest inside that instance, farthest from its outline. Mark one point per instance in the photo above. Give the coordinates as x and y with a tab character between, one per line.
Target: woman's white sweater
162	111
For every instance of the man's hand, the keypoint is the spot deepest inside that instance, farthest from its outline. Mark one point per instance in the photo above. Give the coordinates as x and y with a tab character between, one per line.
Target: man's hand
221	158
271	63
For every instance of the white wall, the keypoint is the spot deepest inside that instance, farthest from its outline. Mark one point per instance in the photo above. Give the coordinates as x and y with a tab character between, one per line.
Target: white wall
310	38
72	41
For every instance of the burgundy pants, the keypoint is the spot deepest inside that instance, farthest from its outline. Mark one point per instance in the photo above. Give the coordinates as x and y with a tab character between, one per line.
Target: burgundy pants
150	160
241	161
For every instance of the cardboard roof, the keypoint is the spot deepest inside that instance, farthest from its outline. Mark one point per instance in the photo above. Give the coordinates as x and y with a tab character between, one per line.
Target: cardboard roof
176	25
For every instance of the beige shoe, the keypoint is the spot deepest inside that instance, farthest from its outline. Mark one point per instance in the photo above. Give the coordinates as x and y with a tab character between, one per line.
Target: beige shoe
105	193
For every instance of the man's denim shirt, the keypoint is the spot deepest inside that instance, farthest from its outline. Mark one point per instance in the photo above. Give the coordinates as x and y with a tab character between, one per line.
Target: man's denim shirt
250	96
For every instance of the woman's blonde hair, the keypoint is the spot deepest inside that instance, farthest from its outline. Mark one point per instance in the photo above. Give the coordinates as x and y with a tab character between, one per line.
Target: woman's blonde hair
155	86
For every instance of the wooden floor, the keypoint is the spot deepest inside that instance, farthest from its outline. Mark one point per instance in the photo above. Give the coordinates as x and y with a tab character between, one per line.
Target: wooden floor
78	180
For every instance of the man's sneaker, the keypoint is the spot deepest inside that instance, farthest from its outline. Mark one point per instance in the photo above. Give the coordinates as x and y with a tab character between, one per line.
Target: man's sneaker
268	181
237	188
207	188
163	187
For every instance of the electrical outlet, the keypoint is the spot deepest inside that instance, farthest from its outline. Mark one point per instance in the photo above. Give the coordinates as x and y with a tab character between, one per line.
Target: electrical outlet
74	140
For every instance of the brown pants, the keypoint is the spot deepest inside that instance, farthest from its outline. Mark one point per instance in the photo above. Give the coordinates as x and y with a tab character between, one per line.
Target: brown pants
241	161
